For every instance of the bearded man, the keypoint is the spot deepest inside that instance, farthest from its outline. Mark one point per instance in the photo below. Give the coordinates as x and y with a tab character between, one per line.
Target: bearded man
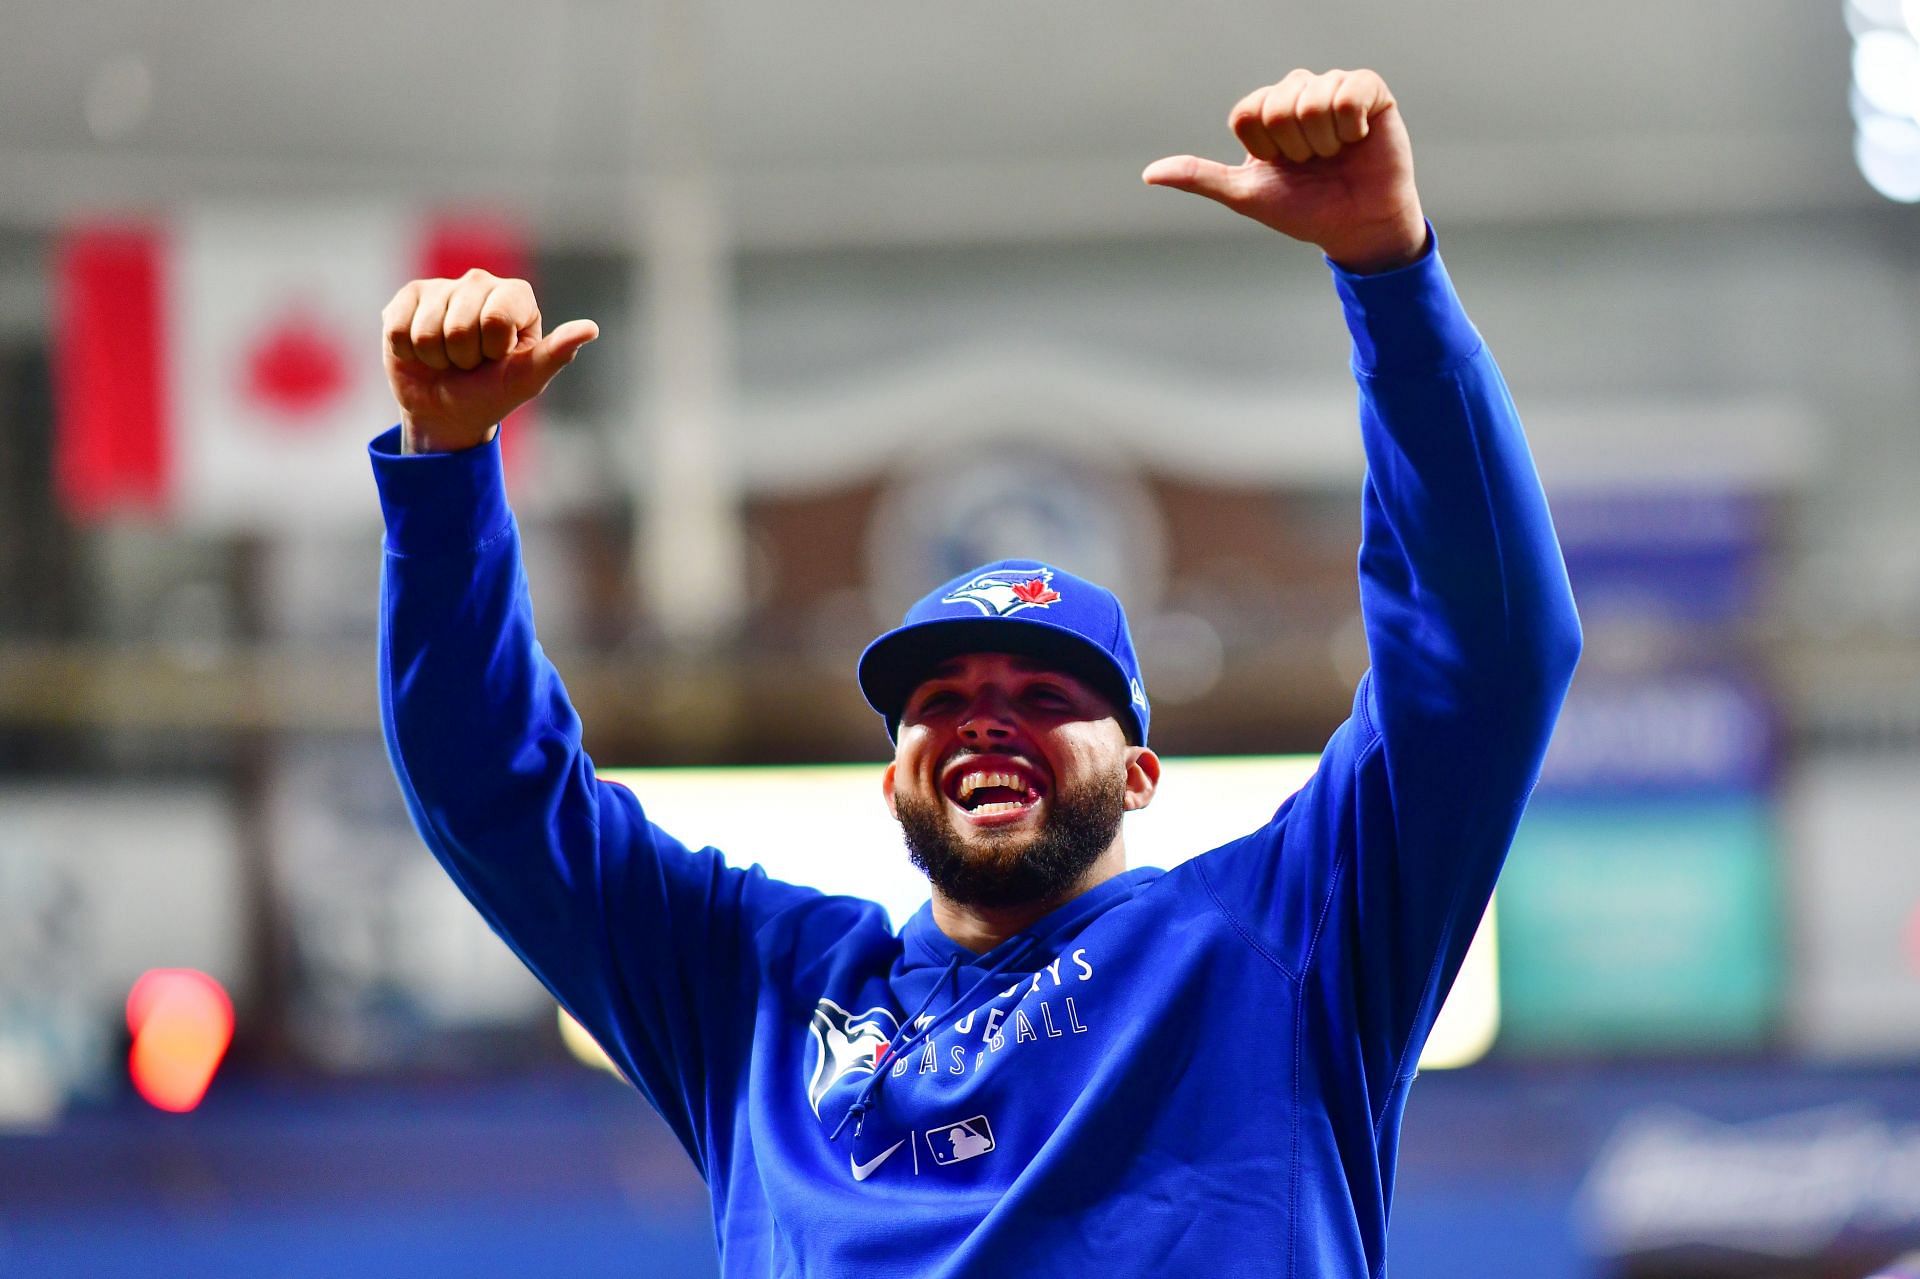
1060	1066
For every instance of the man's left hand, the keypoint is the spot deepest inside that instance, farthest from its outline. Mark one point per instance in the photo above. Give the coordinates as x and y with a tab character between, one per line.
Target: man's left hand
1328	162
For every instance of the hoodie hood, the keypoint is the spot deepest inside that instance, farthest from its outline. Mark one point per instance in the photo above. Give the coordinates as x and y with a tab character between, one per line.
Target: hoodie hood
923	945
934	971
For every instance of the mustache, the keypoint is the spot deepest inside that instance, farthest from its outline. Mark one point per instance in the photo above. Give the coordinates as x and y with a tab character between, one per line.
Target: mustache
1041	866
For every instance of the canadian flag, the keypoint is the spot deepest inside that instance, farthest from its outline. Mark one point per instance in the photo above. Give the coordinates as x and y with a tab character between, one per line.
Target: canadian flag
223	370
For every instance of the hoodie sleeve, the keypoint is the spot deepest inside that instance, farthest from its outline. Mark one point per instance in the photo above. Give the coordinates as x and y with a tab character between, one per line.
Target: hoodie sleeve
659	951
1370	882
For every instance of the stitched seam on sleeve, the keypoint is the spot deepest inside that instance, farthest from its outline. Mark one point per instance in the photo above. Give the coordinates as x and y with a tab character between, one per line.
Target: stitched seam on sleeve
1446	369
1402	1071
1293	1192
1400	1079
1365	701
1402	1068
1326	909
1372	747
451	552
1233	921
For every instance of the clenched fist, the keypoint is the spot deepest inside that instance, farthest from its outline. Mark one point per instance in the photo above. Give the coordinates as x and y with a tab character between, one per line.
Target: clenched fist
462	354
1327	162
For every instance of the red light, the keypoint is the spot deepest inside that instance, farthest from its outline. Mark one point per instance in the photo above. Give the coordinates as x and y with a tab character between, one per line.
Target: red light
182	1022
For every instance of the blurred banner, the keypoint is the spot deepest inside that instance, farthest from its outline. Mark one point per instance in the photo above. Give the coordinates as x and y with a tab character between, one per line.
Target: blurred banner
1804	1194
1641	901
1651	927
201	361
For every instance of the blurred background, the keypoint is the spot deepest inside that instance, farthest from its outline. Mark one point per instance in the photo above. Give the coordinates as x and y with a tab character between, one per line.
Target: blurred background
882	297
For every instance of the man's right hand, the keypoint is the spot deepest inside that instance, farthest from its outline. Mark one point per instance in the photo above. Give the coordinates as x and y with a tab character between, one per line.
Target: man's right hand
462	354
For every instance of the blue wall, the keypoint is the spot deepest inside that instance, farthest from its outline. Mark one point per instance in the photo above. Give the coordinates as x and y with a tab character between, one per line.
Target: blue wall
566	1173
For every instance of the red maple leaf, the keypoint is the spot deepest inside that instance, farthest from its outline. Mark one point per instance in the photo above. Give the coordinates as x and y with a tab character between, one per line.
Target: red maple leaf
880	1052
298	369
1035	592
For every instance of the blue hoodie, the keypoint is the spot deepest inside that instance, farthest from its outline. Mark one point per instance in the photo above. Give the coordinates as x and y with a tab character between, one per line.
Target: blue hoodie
1193	1072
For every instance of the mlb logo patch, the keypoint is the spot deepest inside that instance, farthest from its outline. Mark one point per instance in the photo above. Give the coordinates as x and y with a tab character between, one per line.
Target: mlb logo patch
957	1143
1006	591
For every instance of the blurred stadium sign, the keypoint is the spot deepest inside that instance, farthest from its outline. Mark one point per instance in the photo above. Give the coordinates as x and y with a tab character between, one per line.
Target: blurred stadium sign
1695	556
1677	1193
1647	926
99	883
1640	906
850	844
1661	737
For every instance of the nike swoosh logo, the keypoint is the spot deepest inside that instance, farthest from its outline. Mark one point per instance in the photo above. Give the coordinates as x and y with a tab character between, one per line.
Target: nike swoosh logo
863	1171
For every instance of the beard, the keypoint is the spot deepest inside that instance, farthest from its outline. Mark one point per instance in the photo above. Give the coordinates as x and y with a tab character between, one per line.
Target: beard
1008	867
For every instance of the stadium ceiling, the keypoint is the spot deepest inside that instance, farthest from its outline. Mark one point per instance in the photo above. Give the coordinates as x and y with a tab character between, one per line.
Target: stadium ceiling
857	121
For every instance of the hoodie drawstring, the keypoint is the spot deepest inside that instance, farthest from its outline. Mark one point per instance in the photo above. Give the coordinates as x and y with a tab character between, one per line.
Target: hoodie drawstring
862	1103
865	1100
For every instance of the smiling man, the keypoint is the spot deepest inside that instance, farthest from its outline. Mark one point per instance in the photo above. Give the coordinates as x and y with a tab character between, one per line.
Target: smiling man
1019	743
1059	1066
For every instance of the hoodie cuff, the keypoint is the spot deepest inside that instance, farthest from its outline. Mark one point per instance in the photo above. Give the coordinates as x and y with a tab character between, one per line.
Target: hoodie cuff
439	503
1406	320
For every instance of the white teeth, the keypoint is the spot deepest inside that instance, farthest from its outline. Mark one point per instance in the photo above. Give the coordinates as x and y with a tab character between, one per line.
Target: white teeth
974	781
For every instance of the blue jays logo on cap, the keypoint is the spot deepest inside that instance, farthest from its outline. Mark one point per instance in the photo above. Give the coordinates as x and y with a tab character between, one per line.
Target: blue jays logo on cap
1024	607
1007	591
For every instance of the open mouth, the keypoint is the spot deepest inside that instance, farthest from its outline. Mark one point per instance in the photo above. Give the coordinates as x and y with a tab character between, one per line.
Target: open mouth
992	791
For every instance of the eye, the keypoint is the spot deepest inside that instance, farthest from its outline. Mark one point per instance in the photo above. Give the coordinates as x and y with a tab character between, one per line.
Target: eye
935	702
1051	696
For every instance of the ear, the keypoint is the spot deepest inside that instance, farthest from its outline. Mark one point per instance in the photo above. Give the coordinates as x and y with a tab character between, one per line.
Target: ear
886	788
1143	777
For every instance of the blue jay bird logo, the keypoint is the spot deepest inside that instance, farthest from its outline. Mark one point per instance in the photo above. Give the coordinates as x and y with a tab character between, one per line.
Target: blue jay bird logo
846	1044
1006	591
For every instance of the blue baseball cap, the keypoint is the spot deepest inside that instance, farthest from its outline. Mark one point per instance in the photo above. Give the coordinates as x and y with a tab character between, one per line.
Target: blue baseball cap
1011	606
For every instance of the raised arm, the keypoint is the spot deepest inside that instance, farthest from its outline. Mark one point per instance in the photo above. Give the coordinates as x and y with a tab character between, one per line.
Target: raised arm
658	950
1380	868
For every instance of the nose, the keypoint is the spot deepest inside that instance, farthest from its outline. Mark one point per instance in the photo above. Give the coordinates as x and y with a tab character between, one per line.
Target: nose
981	729
987	719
